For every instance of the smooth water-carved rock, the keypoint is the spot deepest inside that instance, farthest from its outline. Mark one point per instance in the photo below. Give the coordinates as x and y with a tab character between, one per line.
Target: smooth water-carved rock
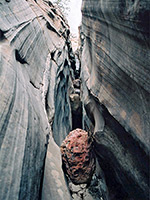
54	185
116	91
34	56
77	156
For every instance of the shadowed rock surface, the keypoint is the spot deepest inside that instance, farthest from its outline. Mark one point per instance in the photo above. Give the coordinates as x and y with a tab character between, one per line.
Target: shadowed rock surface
116	91
34	57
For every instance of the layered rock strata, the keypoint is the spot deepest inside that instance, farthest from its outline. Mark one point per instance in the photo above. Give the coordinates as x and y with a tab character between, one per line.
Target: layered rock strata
34	70
116	91
54	183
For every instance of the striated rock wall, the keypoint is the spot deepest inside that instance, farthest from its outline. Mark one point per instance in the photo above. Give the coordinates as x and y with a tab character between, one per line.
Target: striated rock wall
34	58
54	183
116	91
62	122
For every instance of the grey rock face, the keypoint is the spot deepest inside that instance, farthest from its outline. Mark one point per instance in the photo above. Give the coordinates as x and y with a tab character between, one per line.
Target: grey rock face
54	184
32	52
62	119
116	92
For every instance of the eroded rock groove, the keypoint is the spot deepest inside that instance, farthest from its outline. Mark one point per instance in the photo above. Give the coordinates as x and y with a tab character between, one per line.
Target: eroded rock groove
47	90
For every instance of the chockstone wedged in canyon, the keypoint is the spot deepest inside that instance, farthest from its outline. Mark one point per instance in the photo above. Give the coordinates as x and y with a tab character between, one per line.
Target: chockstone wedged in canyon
38	102
78	157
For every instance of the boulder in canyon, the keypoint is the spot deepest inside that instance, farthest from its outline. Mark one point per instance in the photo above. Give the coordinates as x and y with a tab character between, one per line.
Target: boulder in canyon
78	157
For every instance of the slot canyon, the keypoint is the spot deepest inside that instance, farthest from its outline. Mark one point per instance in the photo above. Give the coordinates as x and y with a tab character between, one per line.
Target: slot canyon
75	124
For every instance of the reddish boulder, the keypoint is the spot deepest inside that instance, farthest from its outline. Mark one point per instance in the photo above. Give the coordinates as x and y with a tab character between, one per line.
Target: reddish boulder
77	156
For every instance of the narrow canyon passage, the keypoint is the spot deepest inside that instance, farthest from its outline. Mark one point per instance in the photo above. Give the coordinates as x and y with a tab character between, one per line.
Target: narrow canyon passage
90	104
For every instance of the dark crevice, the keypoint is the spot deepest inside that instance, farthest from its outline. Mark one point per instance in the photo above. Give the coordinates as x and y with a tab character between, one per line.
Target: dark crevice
77	120
59	54
54	10
19	58
63	25
49	3
51	15
75	99
52	55
51	28
34	85
76	109
46	100
2	36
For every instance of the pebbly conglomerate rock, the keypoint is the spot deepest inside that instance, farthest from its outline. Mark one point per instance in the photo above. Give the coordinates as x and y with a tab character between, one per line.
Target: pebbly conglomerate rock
77	156
34	66
116	91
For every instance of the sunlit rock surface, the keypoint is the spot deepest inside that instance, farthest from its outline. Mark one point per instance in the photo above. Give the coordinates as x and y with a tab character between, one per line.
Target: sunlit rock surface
116	91
34	58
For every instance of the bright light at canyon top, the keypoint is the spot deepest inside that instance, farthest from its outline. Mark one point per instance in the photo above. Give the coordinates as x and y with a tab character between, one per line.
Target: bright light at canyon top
72	11
74	16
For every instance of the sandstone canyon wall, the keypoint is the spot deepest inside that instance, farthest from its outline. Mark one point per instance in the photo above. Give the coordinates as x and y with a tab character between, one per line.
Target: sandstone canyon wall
116	91
34	69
